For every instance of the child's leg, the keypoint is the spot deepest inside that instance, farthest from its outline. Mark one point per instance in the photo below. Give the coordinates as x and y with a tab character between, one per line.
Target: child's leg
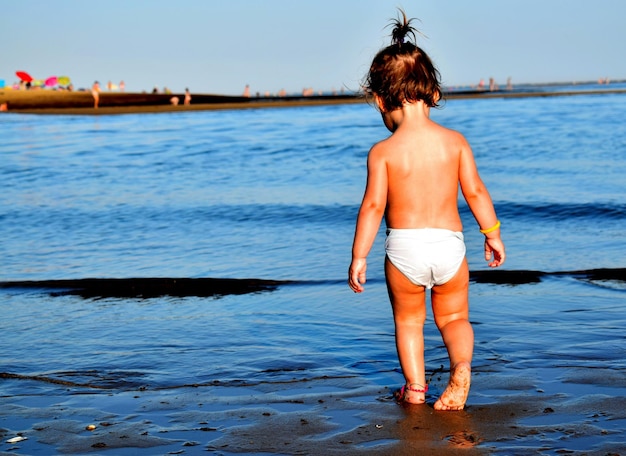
451	313
409	314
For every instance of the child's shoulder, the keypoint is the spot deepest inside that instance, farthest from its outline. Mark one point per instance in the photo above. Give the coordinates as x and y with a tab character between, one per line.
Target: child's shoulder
382	150
451	135
380	147
446	130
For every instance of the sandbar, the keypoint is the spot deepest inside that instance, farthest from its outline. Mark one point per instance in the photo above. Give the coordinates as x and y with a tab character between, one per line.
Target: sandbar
81	102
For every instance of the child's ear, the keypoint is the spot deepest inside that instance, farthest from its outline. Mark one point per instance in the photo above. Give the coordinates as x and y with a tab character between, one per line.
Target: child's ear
379	103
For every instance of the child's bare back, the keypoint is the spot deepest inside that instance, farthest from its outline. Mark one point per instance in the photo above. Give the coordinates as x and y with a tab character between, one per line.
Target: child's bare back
422	161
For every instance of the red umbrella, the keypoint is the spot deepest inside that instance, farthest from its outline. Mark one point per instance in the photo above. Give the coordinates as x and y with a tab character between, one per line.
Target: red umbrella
24	76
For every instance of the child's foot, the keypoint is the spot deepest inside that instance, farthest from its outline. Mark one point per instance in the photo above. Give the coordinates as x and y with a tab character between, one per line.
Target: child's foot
413	393
455	395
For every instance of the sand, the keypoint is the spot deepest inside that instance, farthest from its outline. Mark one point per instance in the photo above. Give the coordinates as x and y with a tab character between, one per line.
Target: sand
81	103
313	416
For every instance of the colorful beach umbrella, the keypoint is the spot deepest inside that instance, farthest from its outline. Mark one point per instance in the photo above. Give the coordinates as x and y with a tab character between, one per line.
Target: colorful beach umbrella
24	76
63	80
37	83
51	81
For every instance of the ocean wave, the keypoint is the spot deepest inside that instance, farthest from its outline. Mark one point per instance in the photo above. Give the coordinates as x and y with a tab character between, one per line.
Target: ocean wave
561	211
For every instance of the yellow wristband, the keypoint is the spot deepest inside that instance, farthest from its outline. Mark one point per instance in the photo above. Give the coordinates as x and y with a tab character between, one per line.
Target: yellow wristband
493	228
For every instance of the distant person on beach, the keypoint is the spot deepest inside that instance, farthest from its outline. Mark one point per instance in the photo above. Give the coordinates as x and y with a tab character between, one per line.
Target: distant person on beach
122	86
187	100
413	178
509	83
493	86
246	91
95	92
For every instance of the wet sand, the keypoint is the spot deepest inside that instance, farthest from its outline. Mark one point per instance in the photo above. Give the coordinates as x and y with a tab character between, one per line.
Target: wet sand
506	413
316	416
548	410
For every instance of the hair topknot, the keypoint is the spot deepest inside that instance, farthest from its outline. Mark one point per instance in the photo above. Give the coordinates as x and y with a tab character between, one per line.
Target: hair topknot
401	30
403	72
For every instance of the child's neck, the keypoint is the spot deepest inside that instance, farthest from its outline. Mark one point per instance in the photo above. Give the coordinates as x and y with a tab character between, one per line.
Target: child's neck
415	112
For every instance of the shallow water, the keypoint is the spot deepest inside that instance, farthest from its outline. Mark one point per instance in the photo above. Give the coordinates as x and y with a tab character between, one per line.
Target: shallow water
273	194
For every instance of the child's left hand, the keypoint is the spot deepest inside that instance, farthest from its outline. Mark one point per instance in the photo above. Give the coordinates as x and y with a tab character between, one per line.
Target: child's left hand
494	248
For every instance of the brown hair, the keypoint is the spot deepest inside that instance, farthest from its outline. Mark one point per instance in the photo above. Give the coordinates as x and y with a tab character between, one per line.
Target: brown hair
403	71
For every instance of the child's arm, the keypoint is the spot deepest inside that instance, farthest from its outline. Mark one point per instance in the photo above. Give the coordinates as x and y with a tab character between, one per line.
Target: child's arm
479	202
370	216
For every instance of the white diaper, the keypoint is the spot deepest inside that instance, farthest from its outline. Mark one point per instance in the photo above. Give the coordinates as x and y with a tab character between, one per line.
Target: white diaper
426	256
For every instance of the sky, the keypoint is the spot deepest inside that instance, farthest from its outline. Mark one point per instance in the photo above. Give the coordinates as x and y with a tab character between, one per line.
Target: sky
220	46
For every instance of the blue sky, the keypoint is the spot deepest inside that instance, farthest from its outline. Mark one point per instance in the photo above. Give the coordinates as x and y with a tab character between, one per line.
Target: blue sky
219	46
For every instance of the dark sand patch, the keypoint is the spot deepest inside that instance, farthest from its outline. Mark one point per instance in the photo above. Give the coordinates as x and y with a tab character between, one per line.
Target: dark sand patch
148	287
206	287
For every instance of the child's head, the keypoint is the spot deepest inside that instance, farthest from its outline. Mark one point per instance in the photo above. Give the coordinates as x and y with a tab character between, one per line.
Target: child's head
402	72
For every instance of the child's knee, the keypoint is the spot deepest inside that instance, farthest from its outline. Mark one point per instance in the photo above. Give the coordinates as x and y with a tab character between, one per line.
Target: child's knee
410	317
447	322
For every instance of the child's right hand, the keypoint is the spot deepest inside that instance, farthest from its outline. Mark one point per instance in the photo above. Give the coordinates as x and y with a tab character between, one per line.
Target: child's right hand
494	249
356	274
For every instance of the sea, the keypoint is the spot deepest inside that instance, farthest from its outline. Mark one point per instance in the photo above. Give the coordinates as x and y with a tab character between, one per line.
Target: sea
272	194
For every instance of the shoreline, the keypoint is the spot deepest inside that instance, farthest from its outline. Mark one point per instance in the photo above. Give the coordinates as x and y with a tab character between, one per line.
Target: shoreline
309	416
81	103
